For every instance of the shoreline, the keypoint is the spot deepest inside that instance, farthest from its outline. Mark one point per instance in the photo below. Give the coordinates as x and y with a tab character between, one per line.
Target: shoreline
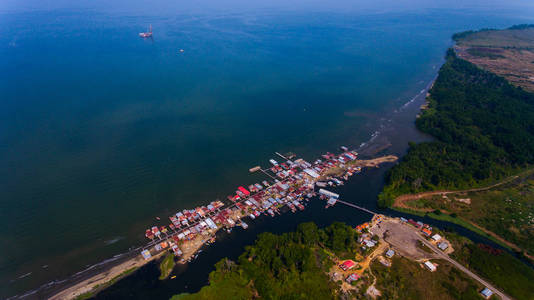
94	283
78	285
91	284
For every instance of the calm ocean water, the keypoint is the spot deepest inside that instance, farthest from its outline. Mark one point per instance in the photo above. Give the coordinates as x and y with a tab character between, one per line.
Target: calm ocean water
101	131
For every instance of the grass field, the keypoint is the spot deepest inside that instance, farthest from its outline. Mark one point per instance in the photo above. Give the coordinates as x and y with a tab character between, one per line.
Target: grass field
166	266
499	267
508	211
406	279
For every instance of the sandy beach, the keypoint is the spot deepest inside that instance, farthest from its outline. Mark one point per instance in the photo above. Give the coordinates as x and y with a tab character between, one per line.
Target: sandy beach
91	284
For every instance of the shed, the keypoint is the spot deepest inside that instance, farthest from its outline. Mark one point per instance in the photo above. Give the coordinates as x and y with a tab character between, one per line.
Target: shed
328	193
243	190
352	277
370	243
347	265
430	266
312	173
331	201
390	253
436	237
443	246
486	293
146	254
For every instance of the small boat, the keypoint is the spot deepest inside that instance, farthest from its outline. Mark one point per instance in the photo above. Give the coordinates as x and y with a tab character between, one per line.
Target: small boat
157	218
146	34
174	276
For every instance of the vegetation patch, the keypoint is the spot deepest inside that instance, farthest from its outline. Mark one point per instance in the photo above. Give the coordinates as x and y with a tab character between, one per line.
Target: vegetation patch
499	267
485	52
406	279
506	210
166	266
482	125
288	266
99	287
84	296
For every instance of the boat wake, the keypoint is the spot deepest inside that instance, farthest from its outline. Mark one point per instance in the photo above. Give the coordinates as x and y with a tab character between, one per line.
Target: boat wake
113	240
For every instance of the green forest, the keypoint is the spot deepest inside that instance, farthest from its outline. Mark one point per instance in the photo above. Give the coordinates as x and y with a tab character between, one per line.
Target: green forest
497	266
288	266
483	129
295	265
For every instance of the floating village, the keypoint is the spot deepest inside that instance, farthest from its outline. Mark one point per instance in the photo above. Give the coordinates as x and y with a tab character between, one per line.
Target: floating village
292	183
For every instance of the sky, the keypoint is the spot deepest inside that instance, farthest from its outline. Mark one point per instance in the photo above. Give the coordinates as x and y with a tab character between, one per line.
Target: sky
197	6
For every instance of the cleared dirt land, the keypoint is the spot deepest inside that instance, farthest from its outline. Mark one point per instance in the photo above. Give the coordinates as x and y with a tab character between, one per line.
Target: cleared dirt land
508	53
403	238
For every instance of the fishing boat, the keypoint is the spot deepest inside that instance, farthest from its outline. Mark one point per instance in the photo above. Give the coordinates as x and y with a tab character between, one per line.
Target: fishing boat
146	34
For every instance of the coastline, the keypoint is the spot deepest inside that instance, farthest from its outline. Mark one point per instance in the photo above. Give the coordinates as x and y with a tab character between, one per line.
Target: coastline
96	283
89	279
91	284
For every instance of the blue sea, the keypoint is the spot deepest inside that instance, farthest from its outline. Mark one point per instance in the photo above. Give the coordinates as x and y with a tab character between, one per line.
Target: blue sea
102	131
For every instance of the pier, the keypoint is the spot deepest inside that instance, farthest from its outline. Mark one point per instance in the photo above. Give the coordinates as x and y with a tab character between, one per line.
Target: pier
281	156
357	207
293	184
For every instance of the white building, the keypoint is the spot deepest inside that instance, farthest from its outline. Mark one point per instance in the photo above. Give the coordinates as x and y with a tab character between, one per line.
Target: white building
436	237
486	293
430	266
312	173
328	193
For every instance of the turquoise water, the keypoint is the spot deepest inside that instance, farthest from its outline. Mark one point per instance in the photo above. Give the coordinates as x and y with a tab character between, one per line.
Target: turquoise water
102	131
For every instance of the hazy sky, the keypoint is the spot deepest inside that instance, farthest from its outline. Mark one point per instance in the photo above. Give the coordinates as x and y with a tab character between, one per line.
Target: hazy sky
196	6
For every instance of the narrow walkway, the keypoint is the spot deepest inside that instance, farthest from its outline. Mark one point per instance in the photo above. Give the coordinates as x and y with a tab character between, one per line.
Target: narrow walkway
357	207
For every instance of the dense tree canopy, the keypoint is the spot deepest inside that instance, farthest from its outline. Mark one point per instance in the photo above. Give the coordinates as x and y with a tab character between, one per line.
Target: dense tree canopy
483	126
288	266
